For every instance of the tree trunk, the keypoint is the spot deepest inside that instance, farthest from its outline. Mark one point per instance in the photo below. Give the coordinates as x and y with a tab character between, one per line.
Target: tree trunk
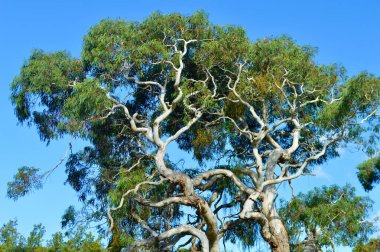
275	233
277	237
214	247
309	245
198	202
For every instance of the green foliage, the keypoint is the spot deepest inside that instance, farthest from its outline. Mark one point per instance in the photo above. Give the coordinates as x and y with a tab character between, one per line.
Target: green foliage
206	143
228	45
127	181
26	180
38	93
247	233
272	55
80	240
68	218
369	173
372	246
361	95
87	101
103	48
333	215
277	67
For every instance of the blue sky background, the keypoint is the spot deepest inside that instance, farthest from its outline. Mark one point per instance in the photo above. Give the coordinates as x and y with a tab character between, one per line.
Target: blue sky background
346	32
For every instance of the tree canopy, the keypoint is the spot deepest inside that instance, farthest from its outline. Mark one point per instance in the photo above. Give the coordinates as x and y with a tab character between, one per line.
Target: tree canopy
254	115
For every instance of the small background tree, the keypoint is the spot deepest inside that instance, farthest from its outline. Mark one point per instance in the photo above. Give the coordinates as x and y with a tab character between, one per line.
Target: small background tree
327	217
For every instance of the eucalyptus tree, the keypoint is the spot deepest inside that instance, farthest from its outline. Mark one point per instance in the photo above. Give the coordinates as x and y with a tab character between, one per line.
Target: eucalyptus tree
254	115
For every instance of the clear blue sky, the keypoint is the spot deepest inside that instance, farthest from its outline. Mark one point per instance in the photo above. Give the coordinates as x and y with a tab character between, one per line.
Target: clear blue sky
346	32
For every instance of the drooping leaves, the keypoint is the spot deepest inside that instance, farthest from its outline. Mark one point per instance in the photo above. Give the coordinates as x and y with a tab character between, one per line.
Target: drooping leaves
39	92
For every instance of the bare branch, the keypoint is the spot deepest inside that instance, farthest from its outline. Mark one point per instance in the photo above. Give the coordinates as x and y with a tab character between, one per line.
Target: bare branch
181	230
227	173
